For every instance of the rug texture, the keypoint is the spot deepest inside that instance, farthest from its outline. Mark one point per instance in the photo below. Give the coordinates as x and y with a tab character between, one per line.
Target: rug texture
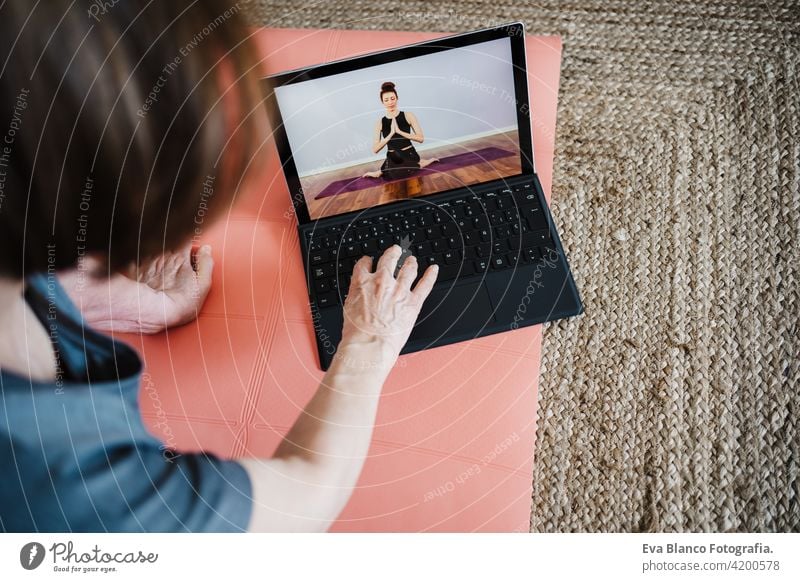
672	404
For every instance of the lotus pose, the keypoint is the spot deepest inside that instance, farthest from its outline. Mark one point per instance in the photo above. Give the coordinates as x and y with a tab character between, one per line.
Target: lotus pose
395	131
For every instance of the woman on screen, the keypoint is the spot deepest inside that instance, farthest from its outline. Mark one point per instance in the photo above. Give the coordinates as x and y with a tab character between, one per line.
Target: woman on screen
395	131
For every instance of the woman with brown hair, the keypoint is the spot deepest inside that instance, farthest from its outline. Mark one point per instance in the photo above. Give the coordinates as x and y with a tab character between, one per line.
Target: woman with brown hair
112	122
395	131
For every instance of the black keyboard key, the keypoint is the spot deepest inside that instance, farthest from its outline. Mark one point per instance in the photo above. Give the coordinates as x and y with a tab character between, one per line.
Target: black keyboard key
423	249
496	218
531	254
485	234
415	236
502	231
323	286
535	218
327	299
452	257
465	224
481	265
319	257
449	229
498	262
438	245
504	202
454	242
484	250
352	250
471	238
369	247
481	222
345	266
529	198
539	238
322	271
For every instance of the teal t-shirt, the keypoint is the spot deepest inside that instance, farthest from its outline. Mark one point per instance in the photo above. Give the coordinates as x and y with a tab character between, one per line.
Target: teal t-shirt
75	455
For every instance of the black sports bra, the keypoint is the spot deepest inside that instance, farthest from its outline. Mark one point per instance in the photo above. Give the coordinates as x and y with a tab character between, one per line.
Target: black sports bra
397	142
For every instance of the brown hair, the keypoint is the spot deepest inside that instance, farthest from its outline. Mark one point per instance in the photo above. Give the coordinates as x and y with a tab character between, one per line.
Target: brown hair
387	87
120	124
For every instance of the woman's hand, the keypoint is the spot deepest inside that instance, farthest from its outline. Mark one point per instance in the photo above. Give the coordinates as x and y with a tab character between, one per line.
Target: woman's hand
164	292
394	128
380	309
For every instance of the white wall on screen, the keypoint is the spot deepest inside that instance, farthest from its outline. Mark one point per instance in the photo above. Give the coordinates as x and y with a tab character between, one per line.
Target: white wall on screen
456	94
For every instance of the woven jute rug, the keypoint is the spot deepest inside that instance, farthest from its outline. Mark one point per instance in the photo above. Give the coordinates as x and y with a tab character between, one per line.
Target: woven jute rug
672	403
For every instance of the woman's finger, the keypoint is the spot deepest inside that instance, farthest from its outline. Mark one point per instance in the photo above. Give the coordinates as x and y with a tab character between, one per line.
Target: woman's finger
362	267
389	259
425	284
408	272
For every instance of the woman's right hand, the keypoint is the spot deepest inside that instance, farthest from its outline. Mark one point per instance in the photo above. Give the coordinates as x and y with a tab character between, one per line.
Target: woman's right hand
381	309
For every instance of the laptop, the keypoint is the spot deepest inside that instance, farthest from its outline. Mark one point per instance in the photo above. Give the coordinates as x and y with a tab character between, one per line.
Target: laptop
427	146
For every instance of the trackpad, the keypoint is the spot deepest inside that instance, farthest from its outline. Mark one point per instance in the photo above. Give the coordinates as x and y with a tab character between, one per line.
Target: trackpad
449	311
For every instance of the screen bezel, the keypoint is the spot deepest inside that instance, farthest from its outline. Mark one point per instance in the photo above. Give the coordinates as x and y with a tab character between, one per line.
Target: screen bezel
515	31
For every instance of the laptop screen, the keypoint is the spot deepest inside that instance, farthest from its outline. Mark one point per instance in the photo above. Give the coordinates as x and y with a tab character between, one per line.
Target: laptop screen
403	129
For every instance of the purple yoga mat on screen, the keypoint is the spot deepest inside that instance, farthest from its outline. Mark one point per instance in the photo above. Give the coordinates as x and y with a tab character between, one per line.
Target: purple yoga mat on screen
443	165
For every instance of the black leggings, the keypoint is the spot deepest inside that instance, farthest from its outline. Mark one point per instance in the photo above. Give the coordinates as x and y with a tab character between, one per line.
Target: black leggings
400	164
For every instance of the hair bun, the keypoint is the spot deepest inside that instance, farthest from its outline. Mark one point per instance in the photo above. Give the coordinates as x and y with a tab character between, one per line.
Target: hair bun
387	86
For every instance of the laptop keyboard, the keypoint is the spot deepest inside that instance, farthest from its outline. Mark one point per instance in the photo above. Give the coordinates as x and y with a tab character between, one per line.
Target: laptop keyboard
466	237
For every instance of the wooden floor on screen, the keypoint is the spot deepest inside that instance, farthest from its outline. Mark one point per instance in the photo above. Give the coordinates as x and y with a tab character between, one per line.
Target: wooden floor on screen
413	187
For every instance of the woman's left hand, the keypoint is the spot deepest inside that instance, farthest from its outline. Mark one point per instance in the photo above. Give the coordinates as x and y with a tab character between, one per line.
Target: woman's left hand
161	293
